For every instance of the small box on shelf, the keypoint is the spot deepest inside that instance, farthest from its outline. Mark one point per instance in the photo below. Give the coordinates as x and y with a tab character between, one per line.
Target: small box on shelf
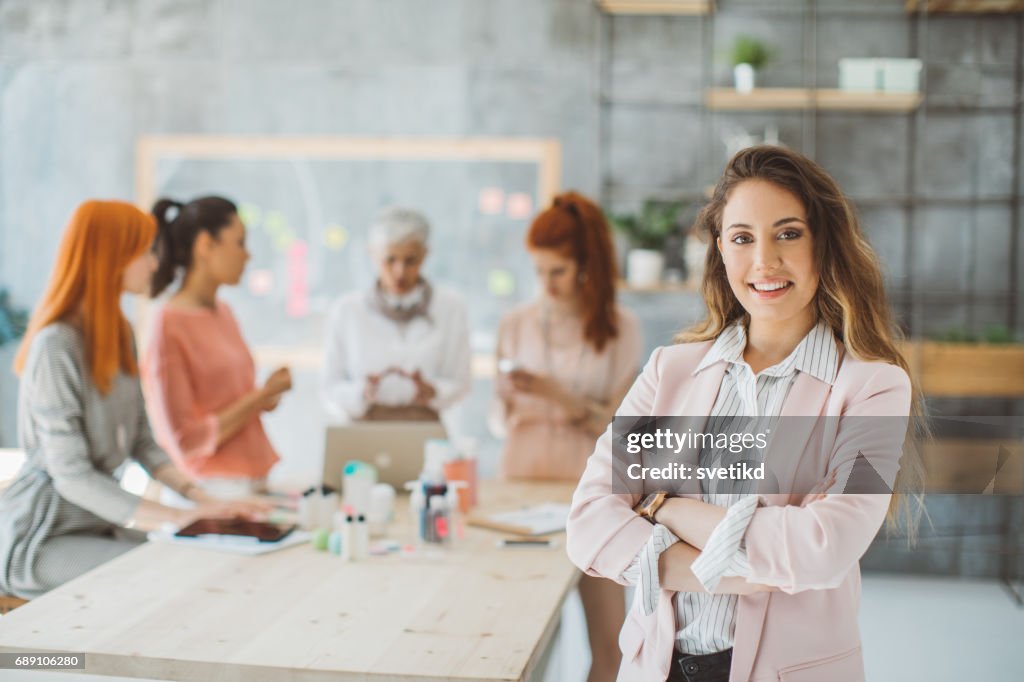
879	75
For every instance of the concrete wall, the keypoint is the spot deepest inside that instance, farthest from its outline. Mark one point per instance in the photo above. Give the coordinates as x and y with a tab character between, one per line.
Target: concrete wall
81	79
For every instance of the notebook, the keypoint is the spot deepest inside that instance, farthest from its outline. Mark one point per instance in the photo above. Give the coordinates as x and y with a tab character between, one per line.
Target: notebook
540	519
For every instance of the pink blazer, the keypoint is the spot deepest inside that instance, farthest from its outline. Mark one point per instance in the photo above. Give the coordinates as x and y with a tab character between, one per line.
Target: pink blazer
808	630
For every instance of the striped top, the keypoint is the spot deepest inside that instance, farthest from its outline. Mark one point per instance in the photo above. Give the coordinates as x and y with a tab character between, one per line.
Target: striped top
706	623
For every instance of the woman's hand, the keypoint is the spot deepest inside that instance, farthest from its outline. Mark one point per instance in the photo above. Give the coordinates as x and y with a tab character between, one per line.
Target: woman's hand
371	387
543	386
425	391
279	382
252	510
504	386
536	384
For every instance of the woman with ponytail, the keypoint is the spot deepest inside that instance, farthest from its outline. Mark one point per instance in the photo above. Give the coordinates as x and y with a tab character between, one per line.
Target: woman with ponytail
199	375
81	413
565	361
760	581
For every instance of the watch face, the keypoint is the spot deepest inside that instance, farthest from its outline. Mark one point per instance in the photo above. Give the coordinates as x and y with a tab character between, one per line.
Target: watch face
649	502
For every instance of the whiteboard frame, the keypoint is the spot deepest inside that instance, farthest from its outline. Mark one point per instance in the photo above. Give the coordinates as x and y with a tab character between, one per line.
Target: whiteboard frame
546	153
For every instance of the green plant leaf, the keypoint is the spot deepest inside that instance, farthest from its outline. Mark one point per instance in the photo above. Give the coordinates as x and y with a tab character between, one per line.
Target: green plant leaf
657	220
747	50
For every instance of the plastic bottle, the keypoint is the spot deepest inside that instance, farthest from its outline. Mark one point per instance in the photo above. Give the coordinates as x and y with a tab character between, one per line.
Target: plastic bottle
309	510
382	509
334	543
436	452
439	521
456	521
417	511
347	539
361	547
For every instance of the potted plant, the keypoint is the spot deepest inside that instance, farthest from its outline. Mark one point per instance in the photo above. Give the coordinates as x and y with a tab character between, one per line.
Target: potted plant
13	321
748	55
647	233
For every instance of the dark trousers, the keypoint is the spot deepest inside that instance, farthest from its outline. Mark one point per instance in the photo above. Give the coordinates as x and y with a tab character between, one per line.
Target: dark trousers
702	668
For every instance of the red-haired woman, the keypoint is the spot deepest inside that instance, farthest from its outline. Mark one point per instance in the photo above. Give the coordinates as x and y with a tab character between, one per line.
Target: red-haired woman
81	413
566	360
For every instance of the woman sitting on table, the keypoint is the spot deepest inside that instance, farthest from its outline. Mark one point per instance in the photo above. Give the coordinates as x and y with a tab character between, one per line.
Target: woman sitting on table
399	351
565	362
798	326
199	376
81	414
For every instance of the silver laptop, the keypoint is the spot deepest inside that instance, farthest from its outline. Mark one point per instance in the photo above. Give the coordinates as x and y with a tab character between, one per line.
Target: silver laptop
395	448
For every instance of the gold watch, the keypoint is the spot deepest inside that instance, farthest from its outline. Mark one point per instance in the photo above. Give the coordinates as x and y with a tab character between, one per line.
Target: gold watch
650	504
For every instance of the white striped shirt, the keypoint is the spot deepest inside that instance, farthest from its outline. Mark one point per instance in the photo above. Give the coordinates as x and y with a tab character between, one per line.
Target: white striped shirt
706	623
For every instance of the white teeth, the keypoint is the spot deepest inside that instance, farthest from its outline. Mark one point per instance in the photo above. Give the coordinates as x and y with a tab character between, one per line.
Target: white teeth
769	286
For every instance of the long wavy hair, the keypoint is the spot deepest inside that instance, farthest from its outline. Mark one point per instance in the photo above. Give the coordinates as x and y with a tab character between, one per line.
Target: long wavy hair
577	227
851	296
101	239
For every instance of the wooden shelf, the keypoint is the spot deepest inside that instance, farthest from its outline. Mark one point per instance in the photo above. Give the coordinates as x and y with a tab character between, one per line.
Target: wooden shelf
624	287
806	98
967	370
969	466
688	7
964	6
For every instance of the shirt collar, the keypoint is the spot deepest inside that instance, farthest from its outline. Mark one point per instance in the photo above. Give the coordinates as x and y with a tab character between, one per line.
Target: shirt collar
402	301
817	354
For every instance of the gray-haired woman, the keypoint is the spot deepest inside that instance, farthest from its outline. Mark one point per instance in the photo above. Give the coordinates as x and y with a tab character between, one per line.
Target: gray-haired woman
401	349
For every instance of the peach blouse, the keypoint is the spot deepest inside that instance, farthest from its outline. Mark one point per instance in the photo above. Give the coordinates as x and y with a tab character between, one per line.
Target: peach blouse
195	365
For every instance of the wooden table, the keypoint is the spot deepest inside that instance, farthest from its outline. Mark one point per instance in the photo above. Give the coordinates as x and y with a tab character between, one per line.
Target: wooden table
474	612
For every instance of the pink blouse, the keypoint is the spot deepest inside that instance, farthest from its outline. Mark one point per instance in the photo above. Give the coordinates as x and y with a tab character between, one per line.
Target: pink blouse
540	442
196	364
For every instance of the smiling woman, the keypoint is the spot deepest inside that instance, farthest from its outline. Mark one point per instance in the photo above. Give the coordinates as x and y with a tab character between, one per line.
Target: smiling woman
768	252
798	324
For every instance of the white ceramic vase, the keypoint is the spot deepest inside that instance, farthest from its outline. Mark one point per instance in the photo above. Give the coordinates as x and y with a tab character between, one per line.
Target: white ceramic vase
744	76
644	268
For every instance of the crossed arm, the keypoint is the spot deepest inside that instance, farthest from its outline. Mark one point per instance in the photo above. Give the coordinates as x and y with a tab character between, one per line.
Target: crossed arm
791	548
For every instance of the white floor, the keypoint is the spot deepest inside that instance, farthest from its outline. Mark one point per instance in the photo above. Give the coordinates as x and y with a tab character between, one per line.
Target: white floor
915	629
939	629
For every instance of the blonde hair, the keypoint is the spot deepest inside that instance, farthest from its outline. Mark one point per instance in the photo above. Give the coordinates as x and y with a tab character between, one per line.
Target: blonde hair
850	299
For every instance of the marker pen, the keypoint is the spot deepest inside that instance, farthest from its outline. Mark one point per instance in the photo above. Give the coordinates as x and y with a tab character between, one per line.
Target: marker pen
526	543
